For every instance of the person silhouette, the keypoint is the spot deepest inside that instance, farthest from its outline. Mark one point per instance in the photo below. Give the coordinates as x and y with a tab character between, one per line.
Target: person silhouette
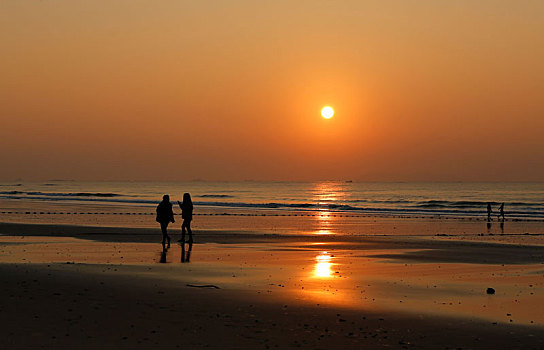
187	215
501	212
165	215
488	211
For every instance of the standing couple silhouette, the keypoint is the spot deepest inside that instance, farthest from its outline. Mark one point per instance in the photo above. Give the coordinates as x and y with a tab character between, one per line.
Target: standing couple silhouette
165	216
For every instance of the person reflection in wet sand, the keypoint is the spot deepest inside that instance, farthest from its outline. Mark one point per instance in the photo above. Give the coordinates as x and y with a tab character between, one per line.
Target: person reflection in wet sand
187	215
185	258
488	226
501	212
165	215
502	227
163	256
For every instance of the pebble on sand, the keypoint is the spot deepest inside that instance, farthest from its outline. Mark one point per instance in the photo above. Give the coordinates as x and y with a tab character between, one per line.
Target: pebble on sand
490	291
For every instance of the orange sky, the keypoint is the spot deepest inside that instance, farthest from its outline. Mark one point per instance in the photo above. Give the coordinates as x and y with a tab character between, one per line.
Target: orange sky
232	90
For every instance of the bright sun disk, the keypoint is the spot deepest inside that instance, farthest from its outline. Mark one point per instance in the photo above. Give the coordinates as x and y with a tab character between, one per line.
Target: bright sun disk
327	112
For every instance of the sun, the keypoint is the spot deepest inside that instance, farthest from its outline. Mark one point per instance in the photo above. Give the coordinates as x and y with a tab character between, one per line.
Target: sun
327	112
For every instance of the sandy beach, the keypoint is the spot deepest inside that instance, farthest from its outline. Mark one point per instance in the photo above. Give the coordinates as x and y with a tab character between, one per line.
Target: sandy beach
88	287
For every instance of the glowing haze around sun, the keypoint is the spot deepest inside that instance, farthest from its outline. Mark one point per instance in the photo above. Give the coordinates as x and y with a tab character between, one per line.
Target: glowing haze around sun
327	112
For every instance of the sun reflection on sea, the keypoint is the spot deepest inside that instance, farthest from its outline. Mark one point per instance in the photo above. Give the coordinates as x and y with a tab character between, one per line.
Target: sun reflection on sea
325	195
323	232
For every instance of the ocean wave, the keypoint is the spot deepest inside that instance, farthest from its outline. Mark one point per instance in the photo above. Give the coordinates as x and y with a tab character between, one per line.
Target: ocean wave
270	205
523	204
477	206
62	194
85	198
215	196
454	204
430	207
472	204
386	201
342	207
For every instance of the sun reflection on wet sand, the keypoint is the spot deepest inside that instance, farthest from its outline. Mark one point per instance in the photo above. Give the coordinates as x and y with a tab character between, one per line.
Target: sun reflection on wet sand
324	223
323	266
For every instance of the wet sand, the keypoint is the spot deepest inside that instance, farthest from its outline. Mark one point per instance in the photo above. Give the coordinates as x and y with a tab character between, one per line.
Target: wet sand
89	287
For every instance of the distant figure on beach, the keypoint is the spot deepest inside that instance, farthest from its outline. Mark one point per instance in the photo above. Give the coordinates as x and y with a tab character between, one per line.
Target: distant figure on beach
501	212
187	215
165	215
488	211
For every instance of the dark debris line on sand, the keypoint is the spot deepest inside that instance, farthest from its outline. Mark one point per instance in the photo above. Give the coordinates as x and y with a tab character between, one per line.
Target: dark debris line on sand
203	286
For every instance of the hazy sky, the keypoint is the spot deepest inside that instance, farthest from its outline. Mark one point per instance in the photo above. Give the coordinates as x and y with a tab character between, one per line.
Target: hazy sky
232	90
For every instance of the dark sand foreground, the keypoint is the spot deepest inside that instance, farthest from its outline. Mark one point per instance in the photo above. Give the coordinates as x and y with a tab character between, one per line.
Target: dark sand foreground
106	288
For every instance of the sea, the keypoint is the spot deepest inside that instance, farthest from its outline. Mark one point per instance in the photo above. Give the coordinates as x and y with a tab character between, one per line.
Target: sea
522	201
